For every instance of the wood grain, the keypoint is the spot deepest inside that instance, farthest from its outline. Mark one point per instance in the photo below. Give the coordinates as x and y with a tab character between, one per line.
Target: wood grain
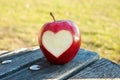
103	68
51	71
15	53
19	62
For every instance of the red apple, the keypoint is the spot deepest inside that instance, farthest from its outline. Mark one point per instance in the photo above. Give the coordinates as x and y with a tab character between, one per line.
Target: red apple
59	41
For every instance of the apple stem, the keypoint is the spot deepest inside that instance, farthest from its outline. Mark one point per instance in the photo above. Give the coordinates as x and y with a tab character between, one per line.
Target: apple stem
52	16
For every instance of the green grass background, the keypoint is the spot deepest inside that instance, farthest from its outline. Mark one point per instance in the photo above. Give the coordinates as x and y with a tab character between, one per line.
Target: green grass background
98	21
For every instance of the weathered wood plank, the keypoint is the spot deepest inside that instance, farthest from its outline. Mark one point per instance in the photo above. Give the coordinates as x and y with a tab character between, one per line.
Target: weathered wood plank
103	68
19	62
15	53
51	71
3	52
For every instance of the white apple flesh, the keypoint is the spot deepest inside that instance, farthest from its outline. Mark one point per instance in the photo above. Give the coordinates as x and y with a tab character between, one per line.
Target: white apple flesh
57	43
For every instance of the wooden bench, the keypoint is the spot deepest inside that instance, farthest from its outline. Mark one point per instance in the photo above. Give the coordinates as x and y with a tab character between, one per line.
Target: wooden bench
85	65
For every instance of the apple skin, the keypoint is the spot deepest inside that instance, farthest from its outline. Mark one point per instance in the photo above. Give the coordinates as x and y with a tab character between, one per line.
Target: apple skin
55	27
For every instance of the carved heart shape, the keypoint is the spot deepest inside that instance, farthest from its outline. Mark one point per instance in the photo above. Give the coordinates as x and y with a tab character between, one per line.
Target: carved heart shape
57	43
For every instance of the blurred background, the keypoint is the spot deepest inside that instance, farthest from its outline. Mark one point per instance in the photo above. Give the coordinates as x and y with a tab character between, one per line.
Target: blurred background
98	21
